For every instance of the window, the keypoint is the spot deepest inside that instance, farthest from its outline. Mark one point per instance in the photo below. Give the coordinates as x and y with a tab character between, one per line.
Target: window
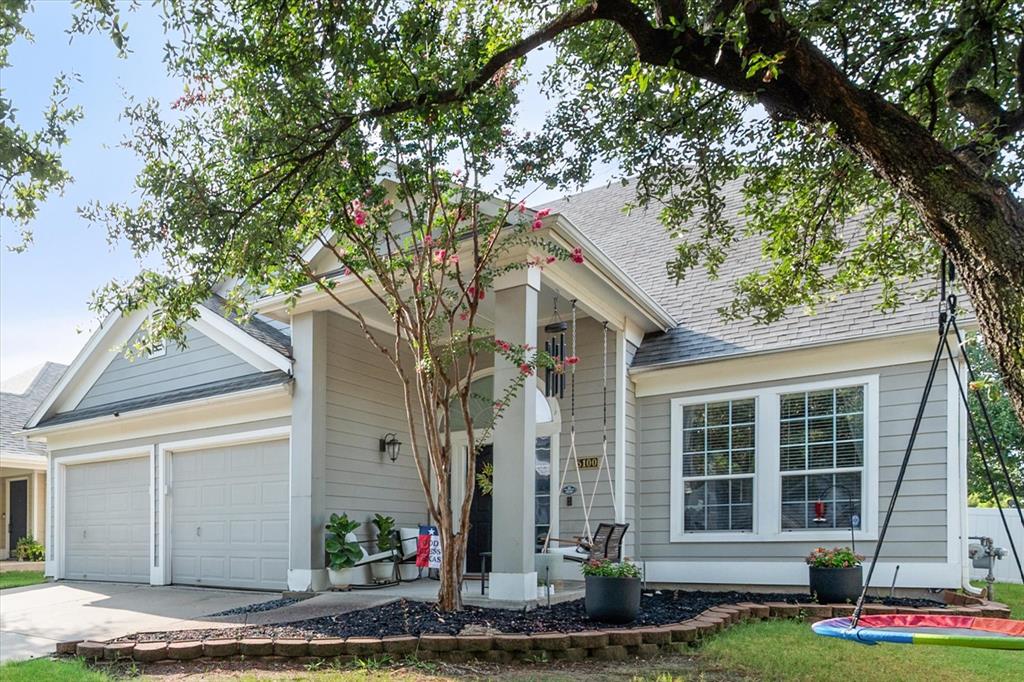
542	489
718	466
158	351
821	457
768	462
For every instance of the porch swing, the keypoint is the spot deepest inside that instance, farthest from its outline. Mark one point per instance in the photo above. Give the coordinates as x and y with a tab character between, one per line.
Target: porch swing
938	629
605	541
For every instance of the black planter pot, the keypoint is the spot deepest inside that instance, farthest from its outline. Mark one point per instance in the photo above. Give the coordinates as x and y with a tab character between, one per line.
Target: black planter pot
836	585
612	600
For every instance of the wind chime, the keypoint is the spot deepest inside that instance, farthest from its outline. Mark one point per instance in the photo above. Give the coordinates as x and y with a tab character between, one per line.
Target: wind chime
554	379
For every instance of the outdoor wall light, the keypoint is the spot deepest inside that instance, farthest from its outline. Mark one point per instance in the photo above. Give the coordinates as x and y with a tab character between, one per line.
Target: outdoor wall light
390	446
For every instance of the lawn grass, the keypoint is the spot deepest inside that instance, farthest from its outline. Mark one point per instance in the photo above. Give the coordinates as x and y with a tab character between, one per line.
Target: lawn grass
788	650
20	578
36	670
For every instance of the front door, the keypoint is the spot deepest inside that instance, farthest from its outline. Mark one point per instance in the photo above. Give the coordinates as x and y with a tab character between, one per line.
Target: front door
17	524
481	515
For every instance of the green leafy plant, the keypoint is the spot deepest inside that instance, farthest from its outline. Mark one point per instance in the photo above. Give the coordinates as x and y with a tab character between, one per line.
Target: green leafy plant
344	553
385	527
611	569
837	557
485	479
28	549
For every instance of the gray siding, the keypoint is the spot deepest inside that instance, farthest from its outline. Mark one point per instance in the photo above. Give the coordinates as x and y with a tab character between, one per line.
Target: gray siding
364	402
200	361
918	529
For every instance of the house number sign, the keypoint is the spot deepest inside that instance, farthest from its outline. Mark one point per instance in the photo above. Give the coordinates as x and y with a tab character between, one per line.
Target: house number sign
588	462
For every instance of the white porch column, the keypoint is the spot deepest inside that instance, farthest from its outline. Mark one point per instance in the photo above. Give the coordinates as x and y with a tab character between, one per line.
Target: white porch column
308	456
513	576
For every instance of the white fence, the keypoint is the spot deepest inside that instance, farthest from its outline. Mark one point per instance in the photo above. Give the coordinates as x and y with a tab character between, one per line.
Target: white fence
987	522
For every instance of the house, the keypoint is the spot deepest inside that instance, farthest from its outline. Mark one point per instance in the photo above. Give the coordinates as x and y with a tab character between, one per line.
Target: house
218	463
23	463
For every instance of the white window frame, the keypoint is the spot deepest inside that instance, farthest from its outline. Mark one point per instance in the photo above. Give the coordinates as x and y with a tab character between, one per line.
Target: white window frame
767	475
717	477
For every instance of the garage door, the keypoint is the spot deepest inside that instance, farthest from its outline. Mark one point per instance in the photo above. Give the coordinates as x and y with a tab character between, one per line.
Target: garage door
107	528
229	511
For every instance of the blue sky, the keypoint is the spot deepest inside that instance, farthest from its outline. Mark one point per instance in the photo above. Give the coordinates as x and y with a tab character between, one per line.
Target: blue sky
44	292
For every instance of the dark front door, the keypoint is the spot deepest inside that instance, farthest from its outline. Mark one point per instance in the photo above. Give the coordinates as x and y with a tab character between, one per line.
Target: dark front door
17	525
481	514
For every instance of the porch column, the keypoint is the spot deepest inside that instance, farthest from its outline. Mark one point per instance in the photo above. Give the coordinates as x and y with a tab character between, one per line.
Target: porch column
308	456
513	575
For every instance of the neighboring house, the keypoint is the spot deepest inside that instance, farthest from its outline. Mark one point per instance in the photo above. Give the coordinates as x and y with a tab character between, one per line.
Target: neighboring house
217	464
23	463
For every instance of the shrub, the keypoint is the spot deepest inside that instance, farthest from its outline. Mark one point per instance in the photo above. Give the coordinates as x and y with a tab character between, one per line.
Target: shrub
28	549
837	557
611	569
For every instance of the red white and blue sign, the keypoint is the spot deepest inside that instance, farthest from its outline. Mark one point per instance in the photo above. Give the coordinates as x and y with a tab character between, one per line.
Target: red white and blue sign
428	548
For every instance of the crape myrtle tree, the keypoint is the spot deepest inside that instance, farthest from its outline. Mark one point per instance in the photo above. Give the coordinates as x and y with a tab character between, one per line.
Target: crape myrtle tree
228	207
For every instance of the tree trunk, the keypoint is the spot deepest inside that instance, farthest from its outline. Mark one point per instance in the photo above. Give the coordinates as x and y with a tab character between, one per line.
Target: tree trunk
449	596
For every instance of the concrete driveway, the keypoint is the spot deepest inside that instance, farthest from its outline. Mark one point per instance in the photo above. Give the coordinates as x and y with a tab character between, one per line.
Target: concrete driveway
33	619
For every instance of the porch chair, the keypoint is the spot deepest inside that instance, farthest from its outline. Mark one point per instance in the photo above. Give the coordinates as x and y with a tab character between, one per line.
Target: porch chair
606	545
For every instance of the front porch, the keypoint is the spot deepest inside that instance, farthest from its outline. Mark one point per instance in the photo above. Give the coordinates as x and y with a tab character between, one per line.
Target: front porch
346	401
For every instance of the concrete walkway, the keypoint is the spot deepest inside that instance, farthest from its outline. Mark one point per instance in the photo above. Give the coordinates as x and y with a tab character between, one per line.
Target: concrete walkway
33	619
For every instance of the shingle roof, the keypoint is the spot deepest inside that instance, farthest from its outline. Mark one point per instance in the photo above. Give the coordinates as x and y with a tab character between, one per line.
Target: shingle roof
209	390
255	327
639	243
16	408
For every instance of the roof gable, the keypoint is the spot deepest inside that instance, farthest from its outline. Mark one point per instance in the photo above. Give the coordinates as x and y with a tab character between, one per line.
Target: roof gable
217	349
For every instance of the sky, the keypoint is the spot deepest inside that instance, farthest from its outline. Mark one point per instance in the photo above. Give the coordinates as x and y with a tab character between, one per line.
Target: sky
44	292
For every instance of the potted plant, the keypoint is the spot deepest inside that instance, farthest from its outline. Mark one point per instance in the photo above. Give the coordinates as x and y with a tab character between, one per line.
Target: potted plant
342	549
384	571
612	591
836	575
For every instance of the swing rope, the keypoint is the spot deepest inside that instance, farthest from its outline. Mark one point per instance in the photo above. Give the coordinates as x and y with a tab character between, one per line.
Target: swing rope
604	430
947	322
588	503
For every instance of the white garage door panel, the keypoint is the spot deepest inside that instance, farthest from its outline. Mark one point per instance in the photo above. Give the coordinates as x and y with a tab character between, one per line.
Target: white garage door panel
107	528
230	516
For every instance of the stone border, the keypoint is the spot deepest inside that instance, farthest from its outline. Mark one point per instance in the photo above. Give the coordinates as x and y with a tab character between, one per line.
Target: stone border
606	645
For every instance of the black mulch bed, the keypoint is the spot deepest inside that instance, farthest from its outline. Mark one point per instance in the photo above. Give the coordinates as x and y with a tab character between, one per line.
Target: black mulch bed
404	617
255	608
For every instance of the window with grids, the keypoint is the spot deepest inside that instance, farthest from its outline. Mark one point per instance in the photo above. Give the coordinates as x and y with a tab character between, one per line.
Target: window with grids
821	458
718	466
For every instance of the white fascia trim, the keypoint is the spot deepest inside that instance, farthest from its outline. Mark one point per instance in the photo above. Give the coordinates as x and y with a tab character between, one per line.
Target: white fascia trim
785	364
794	572
35	434
767	526
601	263
87	366
236	340
227	439
21	461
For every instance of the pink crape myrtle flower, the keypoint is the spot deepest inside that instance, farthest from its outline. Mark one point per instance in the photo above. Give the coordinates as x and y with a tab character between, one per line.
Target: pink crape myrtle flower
525	369
504	345
440	255
572	360
577	255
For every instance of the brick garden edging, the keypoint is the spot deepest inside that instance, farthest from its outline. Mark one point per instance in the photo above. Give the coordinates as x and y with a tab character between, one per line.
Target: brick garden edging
608	645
